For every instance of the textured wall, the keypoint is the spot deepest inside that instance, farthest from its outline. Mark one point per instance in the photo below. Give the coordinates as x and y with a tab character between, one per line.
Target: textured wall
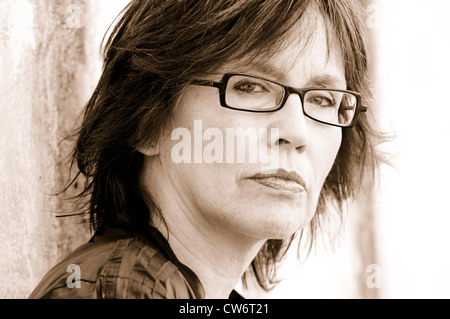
49	63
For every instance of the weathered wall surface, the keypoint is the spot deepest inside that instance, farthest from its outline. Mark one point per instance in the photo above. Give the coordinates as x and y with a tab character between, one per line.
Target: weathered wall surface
49	63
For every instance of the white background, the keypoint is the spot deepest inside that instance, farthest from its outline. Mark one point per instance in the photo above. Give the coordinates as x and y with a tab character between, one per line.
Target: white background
414	86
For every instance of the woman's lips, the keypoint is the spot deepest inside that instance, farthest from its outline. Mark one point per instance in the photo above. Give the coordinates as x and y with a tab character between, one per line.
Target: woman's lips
280	184
282	180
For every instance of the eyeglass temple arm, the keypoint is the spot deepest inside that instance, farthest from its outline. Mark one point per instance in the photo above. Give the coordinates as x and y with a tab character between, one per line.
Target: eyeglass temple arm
206	83
361	109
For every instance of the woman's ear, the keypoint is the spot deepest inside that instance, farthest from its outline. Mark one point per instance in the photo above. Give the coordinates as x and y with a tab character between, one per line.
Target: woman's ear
149	150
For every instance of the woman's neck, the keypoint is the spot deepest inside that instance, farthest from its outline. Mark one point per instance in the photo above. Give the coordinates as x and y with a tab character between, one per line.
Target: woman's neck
218	261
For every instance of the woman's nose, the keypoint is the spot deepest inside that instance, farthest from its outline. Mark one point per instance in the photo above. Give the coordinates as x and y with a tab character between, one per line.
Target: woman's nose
291	124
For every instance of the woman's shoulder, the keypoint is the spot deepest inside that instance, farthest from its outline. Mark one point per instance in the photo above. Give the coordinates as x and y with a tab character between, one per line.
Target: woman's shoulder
116	265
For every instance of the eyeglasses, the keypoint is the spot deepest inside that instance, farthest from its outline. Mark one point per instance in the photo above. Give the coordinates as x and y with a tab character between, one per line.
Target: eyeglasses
253	94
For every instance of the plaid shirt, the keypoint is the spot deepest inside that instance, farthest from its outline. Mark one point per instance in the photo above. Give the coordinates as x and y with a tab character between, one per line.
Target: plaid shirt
122	265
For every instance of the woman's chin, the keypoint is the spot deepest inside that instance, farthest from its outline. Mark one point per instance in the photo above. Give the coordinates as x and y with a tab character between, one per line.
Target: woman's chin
276	226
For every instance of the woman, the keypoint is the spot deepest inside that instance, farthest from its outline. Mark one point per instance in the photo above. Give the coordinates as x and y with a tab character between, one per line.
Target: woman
179	209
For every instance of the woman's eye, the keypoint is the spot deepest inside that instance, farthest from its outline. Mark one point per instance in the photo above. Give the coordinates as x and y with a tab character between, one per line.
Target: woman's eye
250	87
322	101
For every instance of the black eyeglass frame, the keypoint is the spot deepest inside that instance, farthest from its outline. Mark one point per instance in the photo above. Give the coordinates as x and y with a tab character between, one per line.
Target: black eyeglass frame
222	86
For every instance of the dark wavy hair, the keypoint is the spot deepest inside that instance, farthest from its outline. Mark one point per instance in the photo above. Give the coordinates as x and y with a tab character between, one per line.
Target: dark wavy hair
154	51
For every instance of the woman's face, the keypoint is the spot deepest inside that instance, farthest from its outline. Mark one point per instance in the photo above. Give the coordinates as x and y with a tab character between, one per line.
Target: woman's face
235	195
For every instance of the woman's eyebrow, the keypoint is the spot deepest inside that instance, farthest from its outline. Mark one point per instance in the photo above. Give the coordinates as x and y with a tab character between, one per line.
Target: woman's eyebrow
327	81
268	69
264	68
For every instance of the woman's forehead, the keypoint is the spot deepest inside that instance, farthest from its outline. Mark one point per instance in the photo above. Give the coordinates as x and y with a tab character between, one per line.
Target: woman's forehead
310	51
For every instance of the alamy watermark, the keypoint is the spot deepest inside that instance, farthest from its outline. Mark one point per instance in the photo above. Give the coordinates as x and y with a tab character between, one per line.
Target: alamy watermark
373	18
73	281
73	20
230	145
374	279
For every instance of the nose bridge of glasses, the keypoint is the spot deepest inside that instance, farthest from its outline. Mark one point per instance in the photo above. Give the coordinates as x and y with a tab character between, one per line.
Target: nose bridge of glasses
289	90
